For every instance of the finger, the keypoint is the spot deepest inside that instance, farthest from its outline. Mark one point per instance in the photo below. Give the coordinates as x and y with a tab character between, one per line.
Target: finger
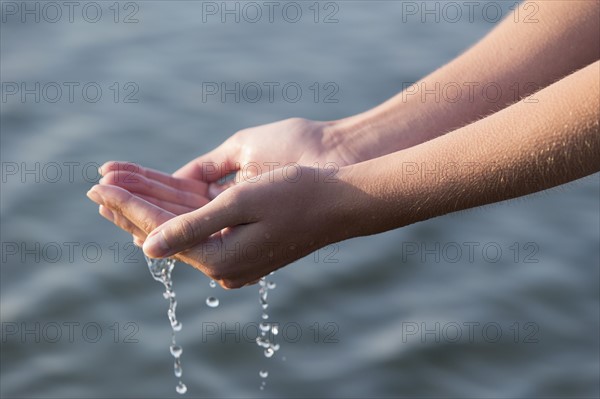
190	229
121	221
141	213
130	170
214	165
140	184
138	241
166	205
215	189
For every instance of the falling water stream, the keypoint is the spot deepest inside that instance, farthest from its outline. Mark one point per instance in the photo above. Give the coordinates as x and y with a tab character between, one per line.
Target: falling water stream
161	271
263	341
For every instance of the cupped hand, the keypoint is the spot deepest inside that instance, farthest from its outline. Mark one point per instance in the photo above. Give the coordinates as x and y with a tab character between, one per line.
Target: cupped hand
258	150
246	232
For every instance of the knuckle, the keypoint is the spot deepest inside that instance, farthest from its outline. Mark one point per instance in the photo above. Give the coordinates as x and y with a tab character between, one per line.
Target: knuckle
147	225
185	231
119	201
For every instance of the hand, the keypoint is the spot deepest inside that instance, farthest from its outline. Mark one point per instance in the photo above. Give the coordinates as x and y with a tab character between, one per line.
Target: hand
246	232
254	151
250	152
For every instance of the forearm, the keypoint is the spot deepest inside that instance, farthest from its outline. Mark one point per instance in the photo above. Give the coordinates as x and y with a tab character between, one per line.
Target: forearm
513	61
522	149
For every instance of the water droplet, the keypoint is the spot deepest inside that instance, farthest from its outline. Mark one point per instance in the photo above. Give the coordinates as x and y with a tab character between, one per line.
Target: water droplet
212	302
181	388
263	295
263	342
264	327
275	329
264	305
177	368
275	347
212	283
269	352
262	388
176	351
177	326
263	373
262	282
271	285
265	316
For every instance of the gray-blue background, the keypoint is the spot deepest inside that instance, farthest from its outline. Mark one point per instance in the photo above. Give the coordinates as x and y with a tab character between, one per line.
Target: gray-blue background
375	293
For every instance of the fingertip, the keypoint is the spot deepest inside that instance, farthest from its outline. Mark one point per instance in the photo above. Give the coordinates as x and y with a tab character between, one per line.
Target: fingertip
106	167
94	195
155	245
107	213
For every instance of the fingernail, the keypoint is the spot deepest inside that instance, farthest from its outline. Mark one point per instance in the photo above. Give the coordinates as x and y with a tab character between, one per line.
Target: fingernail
94	196
156	246
107	213
100	171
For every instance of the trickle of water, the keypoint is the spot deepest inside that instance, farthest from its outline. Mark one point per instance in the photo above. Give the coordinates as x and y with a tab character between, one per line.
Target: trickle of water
263	340
161	269
212	283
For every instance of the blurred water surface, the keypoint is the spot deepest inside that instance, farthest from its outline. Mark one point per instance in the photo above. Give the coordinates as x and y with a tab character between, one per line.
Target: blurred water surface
369	318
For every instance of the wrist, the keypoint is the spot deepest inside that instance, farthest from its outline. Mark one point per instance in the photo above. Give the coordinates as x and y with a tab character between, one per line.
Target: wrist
357	138
387	128
354	208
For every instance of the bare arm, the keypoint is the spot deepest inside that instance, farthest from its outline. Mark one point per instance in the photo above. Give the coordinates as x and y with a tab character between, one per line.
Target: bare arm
522	149
513	61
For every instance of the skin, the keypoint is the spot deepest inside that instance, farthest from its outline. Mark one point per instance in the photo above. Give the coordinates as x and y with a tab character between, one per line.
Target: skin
396	165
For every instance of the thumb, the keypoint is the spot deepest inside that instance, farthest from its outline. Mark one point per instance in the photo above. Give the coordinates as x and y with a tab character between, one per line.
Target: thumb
187	230
212	166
